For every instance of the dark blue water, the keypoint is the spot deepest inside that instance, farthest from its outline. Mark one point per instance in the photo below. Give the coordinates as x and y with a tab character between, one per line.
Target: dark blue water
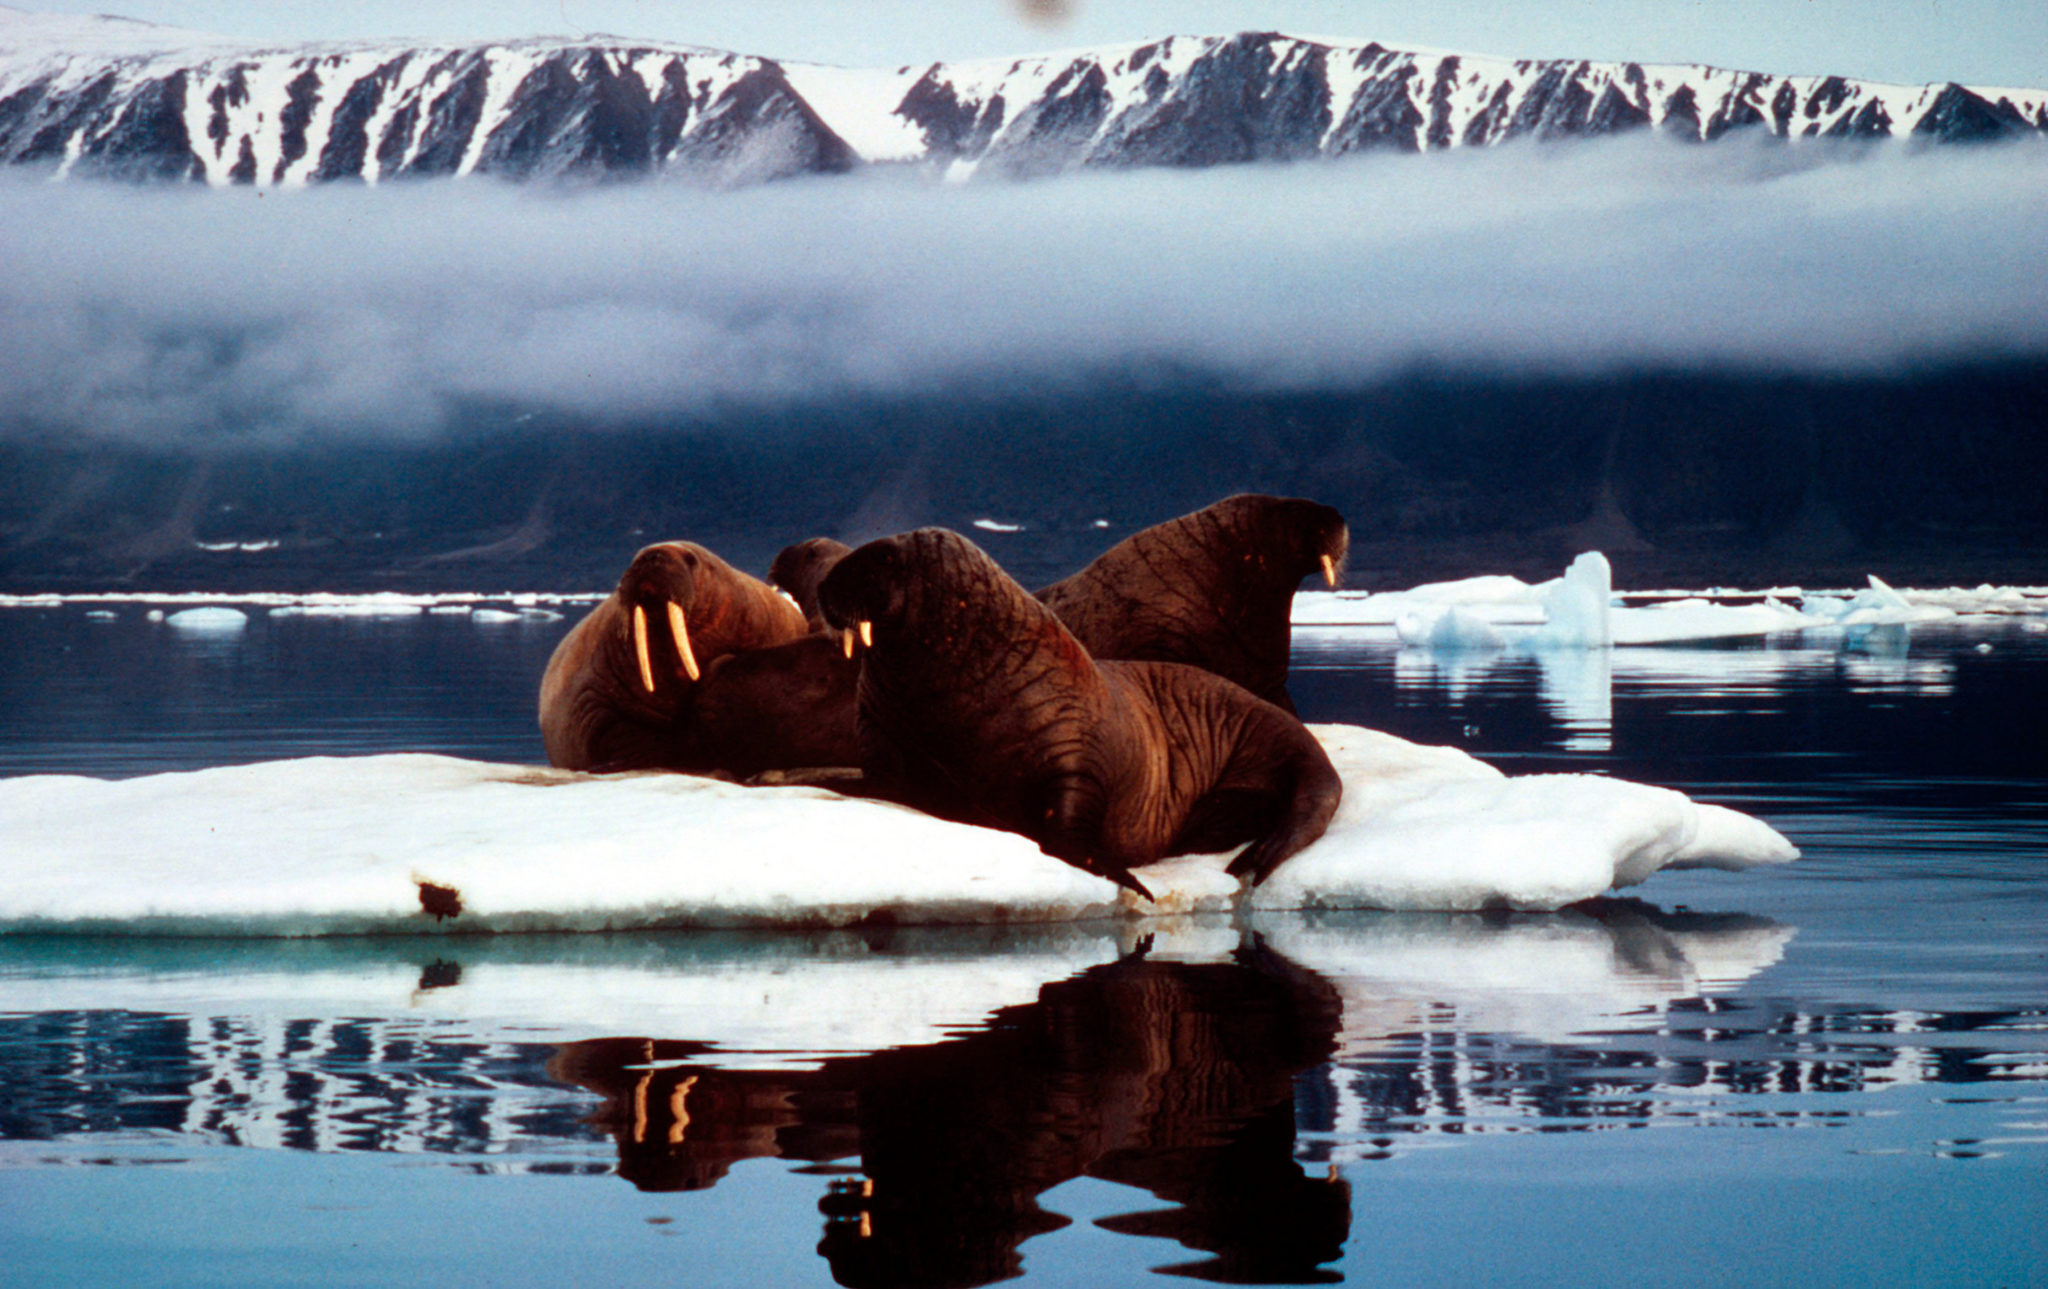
1834	1072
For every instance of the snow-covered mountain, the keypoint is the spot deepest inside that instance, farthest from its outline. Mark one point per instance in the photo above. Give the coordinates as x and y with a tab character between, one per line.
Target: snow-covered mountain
110	97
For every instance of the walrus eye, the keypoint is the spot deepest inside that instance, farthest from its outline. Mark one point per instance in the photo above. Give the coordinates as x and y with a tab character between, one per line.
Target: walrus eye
681	630
1329	570
640	647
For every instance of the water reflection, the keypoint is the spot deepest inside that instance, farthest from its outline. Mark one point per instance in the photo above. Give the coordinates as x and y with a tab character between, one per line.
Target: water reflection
1174	1078
1220	1069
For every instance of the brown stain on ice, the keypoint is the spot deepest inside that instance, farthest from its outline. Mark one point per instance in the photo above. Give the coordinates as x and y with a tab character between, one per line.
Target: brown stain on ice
442	902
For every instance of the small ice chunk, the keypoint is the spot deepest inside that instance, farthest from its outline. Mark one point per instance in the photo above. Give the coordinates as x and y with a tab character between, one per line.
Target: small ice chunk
493	615
1576	606
211	618
1452	630
997	526
101	615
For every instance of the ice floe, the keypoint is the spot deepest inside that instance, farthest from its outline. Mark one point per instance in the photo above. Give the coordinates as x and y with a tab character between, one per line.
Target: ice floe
1580	610
347	845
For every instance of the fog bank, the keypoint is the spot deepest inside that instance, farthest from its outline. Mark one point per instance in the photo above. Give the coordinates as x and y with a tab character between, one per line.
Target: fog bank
162	315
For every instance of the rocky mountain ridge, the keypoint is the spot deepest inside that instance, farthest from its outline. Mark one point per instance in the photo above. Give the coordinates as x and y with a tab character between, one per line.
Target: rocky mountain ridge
116	99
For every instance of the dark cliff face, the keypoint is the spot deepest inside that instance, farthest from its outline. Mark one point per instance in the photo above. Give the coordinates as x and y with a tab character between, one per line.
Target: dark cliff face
1929	478
589	109
575	112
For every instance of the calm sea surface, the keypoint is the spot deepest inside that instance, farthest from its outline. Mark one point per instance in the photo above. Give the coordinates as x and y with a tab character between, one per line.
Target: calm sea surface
1830	1073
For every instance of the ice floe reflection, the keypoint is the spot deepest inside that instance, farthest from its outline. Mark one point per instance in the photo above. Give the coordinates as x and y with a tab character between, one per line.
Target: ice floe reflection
939	1082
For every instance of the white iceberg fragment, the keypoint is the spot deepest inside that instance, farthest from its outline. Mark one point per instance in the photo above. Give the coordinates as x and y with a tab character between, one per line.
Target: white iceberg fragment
1576	606
382	843
212	618
1579	611
1450	630
1677	621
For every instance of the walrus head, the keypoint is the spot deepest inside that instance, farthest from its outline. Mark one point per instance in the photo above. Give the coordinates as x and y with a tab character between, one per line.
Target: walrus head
1294	537
799	570
684	606
865	586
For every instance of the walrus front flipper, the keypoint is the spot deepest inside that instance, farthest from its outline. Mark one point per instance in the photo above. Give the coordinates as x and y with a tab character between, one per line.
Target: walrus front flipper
1312	791
1076	804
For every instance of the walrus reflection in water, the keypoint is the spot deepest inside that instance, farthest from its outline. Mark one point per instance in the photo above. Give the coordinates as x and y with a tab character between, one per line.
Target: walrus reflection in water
1175	1078
621	687
1214	589
976	704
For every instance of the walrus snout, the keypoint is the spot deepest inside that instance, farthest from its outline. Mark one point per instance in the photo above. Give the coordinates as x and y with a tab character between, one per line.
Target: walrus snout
1325	539
864	587
661	585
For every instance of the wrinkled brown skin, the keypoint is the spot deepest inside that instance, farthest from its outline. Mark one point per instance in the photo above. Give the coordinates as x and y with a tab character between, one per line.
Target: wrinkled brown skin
1214	589
976	704
789	707
595	712
800	568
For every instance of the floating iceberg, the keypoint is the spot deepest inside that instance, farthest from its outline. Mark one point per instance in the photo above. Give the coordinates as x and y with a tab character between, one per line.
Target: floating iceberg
1581	611
371	844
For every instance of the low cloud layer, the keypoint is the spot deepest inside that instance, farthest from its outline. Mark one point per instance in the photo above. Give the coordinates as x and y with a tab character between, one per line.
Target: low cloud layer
159	315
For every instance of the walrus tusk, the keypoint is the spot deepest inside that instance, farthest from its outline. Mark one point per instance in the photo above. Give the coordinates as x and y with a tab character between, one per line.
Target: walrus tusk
681	630
846	642
640	647
867	634
1330	571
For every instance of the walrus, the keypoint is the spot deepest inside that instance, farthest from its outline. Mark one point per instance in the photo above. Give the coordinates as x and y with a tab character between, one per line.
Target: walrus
976	704
786	707
798	569
621	686
1214	589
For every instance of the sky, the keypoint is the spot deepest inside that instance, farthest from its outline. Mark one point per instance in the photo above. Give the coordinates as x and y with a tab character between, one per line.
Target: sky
160	314
1976	42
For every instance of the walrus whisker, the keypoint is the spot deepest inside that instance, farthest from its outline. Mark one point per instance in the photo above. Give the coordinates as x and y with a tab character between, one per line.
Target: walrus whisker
681	630
640	647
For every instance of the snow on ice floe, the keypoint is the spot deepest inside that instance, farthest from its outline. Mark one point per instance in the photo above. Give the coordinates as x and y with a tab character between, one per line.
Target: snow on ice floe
1580	610
343	845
